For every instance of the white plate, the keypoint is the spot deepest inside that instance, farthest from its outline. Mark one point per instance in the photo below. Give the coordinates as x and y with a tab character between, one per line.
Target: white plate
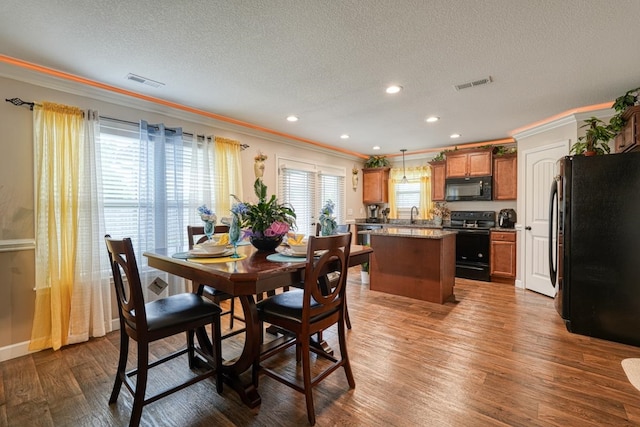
288	252
200	254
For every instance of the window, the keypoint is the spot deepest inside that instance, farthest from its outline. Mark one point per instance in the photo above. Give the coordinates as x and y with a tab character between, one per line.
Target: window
407	195
148	200
307	187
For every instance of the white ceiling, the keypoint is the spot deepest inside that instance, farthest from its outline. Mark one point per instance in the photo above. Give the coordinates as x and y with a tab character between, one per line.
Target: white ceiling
328	62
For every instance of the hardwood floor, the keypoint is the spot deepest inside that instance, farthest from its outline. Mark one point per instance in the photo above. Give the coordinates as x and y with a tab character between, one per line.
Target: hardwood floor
497	356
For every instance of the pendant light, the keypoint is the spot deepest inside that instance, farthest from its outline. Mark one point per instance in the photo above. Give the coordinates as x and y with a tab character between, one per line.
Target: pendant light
404	173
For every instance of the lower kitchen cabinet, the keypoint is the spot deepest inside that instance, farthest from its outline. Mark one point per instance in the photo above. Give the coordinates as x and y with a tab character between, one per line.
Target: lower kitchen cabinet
503	256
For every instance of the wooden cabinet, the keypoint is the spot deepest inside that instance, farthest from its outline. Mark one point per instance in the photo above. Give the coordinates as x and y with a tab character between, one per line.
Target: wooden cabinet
505	177
375	186
438	173
627	139
503	256
471	162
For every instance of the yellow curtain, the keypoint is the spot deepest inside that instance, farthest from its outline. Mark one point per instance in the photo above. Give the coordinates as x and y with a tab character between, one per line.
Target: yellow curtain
228	178
58	134
421	174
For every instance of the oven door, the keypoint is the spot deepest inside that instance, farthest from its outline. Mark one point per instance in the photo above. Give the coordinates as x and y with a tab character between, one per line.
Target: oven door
472	254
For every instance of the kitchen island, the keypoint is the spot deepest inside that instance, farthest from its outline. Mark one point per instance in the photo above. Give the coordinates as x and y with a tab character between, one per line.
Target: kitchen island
413	262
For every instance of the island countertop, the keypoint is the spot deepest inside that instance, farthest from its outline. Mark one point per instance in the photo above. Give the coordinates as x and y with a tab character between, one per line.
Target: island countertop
420	233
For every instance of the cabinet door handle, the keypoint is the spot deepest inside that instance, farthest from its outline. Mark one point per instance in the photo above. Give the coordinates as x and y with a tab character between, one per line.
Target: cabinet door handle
528	227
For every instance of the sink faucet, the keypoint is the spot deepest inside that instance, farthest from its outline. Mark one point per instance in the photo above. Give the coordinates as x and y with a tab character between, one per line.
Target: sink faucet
413	221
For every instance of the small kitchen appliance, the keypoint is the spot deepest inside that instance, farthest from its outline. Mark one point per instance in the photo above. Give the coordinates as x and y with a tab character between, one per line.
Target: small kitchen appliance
373	213
507	218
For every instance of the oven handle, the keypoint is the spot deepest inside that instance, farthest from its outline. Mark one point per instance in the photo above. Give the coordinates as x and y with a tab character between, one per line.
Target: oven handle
468	231
468	267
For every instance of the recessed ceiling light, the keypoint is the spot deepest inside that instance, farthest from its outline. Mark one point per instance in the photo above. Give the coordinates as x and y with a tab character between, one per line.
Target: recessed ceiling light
344	136
455	135
432	119
292	118
376	147
394	89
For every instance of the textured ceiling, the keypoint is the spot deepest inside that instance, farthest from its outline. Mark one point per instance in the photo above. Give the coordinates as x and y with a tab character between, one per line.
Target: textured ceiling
329	61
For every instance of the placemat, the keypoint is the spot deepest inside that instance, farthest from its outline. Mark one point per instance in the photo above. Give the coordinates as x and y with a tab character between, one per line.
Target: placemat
283	258
216	260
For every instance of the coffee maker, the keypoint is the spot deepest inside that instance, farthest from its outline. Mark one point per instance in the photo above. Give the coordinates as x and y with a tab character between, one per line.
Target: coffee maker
373	213
507	218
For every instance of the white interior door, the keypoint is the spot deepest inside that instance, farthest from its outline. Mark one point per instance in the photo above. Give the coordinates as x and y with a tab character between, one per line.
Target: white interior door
540	168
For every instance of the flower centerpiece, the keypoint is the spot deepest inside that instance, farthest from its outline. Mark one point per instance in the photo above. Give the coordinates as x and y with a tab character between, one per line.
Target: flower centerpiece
440	211
327	221
209	218
267	221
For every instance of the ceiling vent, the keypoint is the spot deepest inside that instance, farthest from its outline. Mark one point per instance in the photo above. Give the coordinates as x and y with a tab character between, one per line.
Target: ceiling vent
144	80
473	83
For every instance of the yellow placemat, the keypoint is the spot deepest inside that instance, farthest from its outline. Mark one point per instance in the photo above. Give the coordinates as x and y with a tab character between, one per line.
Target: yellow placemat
216	260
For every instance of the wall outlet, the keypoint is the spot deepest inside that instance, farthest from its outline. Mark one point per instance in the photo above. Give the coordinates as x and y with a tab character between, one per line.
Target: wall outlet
157	286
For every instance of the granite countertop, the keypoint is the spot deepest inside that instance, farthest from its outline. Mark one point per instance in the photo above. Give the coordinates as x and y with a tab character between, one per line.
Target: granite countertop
420	233
404	223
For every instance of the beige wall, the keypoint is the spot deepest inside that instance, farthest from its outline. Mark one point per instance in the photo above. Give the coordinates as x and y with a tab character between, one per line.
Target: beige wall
17	177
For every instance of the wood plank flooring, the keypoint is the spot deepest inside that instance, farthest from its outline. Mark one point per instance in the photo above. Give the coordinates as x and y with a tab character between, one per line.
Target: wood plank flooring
498	356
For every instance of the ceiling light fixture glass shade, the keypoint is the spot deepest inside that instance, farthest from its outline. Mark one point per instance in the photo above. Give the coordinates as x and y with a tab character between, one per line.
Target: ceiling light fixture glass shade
394	89
404	174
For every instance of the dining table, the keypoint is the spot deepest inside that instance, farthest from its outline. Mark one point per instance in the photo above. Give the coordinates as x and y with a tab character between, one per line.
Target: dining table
248	277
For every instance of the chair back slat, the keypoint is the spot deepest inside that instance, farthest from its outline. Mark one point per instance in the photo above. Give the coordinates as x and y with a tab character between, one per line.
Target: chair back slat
197	232
128	287
326	276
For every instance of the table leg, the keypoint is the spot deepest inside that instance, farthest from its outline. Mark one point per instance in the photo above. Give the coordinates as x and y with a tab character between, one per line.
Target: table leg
234	368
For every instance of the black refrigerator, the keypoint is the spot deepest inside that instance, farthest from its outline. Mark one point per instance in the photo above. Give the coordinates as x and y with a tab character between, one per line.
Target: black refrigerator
594	245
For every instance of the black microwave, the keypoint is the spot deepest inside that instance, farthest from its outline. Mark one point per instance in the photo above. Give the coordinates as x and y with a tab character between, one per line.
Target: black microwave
466	189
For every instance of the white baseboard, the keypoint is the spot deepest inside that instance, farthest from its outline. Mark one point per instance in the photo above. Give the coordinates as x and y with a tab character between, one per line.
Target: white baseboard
14	350
519	284
22	349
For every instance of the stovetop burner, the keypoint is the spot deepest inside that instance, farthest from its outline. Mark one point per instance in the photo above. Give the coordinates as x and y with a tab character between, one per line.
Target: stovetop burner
482	220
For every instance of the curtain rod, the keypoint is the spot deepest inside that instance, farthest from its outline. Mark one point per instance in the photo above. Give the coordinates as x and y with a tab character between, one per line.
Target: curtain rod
19	102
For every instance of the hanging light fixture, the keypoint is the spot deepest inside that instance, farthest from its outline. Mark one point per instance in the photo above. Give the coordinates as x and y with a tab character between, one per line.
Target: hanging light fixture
404	173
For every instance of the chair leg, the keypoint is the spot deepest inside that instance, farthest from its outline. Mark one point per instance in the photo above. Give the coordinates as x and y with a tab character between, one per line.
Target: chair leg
141	384
122	366
346	316
231	311
344	355
306	373
190	348
216	340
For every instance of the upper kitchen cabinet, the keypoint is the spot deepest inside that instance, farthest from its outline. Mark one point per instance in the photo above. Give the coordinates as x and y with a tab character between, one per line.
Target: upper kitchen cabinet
505	177
438	173
627	139
471	162
375	186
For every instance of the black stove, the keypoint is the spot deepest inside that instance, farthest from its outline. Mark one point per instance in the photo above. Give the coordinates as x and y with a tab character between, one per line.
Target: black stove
480	220
472	243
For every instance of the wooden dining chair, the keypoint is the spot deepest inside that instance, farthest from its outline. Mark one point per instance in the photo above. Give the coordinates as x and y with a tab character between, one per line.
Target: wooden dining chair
305	312
146	323
340	228
195	235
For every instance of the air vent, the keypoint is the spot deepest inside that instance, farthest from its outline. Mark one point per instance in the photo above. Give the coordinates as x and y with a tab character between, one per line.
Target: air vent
473	83
144	80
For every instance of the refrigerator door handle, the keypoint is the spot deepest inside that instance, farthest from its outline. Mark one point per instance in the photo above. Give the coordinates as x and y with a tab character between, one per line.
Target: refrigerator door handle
553	263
